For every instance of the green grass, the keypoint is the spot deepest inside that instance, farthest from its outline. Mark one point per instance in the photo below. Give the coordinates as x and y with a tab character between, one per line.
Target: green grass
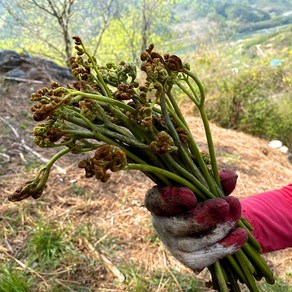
138	279
279	286
274	22
31	164
14	280
46	246
58	260
77	190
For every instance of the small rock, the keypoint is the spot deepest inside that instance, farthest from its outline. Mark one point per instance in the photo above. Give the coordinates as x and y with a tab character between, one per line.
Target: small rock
284	149
275	144
16	73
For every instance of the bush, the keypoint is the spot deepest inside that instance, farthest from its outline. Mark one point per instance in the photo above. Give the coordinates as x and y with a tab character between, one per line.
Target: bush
246	14
256	101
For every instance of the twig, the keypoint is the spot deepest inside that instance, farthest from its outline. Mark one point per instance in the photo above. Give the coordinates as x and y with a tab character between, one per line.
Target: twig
24	145
160	282
110	266
6	157
23	80
64	286
171	273
11	127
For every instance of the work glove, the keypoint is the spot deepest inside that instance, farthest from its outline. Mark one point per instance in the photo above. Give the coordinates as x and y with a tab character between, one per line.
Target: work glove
197	234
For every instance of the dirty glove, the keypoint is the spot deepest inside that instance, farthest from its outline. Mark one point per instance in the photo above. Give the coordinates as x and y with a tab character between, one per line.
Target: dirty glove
197	234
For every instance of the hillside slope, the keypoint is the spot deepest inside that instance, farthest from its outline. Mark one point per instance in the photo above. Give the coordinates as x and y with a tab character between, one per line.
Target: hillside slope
109	217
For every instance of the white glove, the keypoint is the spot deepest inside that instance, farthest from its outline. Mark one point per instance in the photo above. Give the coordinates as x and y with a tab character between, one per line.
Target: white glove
197	234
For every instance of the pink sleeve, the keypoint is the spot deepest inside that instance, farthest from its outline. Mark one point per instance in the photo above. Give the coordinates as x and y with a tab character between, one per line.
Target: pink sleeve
270	214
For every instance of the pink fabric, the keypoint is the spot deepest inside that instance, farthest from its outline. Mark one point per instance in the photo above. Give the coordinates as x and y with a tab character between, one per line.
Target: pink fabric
270	214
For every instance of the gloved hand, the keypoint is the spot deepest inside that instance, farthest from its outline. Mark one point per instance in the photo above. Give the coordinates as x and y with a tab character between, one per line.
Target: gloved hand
197	234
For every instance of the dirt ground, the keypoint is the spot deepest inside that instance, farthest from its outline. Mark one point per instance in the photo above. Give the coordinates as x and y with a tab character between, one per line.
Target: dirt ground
116	207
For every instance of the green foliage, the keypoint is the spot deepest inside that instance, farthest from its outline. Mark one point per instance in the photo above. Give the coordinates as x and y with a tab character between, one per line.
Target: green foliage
109	27
279	286
265	24
130	28
281	41
14	280
139	280
46	245
249	102
244	13
77	190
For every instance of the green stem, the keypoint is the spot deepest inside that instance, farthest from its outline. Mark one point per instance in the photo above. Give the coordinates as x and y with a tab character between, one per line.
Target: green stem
251	239
182	150
206	124
203	192
210	145
192	90
196	153
82	117
99	130
43	173
246	224
149	168
244	259
259	263
136	130
232	276
241	259
222	286
237	268
199	84
177	109
188	93
101	98
206	177
102	84
57	156
100	137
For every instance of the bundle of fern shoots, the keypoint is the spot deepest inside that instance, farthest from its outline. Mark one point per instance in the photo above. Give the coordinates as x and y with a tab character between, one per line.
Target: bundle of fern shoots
128	125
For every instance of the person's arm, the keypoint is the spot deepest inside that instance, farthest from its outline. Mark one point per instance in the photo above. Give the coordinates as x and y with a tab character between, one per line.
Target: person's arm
270	213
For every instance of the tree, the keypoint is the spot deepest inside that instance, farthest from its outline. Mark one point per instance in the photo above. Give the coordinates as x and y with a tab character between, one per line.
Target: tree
45	27
45	24
37	17
143	22
62	13
92	19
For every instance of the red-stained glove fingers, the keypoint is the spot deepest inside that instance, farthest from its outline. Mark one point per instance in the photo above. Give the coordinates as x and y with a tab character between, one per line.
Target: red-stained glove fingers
197	234
205	224
169	201
199	219
196	242
194	218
